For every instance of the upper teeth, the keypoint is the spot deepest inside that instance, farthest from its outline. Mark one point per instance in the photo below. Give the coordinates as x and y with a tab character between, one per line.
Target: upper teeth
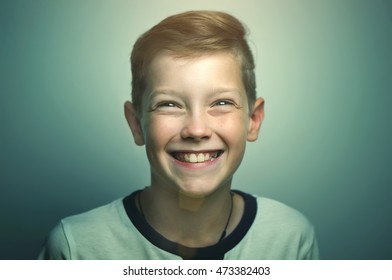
196	157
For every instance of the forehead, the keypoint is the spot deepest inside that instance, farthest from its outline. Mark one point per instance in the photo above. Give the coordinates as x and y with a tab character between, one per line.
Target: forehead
217	69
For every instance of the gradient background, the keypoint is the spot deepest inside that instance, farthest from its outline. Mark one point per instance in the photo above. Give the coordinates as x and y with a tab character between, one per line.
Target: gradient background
323	67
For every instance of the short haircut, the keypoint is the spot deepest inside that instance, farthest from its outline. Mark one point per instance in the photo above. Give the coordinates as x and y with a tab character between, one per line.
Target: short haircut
192	34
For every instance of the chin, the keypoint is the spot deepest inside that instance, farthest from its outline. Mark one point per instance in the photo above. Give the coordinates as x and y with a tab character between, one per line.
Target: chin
191	193
200	189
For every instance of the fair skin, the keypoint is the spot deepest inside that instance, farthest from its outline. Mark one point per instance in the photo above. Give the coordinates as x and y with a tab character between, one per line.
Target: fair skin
195	123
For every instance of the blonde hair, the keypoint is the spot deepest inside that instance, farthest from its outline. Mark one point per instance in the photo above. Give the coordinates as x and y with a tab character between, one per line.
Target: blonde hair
192	34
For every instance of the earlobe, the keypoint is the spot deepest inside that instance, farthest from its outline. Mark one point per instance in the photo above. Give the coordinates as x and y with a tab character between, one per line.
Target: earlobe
134	123
256	118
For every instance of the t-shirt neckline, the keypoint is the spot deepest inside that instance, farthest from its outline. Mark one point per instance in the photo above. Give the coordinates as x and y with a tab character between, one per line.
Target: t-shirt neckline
212	252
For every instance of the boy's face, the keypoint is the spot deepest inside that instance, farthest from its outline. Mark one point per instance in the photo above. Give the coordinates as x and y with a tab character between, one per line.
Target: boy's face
195	122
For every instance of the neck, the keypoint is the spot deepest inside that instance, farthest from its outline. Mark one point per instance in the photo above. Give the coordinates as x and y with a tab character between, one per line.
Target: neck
190	221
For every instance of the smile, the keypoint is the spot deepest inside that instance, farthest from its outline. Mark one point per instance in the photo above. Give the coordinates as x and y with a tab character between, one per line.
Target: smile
196	157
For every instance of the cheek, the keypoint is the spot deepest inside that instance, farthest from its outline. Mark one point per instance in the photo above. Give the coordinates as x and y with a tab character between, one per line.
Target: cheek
234	128
159	131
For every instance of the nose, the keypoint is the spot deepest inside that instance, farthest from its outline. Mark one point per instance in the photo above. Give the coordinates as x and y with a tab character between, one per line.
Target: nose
196	127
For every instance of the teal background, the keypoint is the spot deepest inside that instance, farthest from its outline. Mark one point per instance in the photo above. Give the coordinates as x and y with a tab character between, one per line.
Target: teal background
323	67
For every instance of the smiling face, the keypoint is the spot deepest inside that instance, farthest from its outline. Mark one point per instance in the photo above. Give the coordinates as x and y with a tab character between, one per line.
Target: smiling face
195	122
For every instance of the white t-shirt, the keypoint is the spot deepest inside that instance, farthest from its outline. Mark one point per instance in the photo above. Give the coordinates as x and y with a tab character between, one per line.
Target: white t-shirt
268	230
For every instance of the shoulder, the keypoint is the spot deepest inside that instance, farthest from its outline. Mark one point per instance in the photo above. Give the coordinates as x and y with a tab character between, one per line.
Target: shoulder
279	232
82	228
274	212
97	216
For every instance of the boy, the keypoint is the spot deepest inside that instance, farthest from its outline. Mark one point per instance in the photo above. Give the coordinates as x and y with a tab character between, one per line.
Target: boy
194	107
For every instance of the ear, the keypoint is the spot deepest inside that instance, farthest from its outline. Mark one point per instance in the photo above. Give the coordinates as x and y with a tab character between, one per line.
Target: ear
134	123
256	118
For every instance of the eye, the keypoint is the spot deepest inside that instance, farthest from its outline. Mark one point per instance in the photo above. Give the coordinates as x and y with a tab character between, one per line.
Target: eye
223	102
167	104
223	106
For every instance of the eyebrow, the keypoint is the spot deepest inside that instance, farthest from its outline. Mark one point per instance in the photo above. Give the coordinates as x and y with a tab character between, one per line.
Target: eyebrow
226	90
218	90
163	91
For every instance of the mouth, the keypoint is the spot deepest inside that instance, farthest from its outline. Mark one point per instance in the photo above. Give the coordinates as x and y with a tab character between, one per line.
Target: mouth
197	157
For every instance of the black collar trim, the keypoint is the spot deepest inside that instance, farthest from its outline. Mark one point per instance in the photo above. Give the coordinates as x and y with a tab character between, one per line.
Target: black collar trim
213	252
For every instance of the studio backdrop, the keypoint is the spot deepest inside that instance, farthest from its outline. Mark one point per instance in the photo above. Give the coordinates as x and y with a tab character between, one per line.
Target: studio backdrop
323	67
